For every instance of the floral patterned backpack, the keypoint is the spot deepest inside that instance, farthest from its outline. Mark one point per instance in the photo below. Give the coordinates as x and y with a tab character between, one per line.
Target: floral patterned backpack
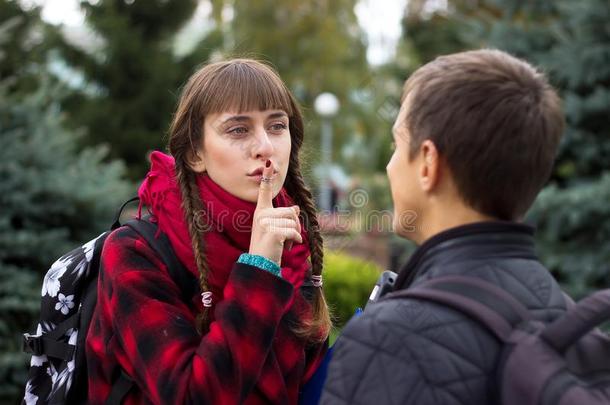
58	369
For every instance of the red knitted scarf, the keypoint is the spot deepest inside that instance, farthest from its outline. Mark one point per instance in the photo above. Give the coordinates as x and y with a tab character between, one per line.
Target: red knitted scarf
226	218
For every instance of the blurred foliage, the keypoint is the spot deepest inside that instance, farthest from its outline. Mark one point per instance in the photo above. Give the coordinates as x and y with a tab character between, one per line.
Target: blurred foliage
436	34
53	198
25	42
299	38
132	74
348	282
574	231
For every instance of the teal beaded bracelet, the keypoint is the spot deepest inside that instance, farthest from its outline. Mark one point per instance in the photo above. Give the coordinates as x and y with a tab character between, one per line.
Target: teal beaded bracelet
261	262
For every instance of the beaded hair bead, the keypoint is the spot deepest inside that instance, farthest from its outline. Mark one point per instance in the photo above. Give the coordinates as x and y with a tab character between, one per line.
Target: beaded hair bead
316	281
206	299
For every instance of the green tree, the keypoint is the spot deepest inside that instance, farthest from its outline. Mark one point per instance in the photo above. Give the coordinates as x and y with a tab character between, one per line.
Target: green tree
316	46
135	75
24	46
53	199
435	33
574	233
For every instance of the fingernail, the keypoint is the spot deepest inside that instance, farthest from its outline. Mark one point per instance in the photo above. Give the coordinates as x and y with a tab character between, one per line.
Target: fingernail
268	163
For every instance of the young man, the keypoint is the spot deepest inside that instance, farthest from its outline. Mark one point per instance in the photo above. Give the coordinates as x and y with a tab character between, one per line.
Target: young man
475	141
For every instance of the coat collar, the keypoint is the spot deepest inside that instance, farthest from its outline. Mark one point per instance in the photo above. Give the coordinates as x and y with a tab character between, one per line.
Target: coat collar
481	239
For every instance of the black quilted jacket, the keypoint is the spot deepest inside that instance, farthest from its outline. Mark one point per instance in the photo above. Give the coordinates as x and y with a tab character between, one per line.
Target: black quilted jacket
407	351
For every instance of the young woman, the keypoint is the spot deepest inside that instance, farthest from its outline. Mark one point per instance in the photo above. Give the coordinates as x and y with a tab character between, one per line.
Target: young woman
231	199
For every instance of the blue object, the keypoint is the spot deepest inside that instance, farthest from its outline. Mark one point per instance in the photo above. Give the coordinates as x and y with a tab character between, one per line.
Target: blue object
261	262
312	391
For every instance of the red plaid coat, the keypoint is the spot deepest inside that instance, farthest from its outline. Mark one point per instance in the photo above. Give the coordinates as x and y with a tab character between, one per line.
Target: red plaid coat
141	325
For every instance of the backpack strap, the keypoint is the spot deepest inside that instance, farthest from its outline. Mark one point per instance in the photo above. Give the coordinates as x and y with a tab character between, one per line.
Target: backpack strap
120	388
481	300
117	218
581	318
50	344
187	284
161	245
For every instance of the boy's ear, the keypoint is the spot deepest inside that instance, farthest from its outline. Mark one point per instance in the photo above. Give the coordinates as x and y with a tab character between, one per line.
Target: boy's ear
429	169
195	161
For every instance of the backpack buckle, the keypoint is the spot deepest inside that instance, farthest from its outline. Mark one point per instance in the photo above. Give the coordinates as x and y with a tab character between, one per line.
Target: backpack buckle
32	344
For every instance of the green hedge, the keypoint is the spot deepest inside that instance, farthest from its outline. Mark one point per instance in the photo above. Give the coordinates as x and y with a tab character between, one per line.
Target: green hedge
348	282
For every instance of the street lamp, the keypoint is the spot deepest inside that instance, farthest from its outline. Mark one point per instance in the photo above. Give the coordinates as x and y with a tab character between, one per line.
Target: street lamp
327	106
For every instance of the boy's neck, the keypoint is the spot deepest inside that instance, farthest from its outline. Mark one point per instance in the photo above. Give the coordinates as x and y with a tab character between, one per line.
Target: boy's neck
439	218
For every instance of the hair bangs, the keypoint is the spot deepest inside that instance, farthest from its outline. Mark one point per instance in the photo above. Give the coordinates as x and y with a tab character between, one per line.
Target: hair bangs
247	86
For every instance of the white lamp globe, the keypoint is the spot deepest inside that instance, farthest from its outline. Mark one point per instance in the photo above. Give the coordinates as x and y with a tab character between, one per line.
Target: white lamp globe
326	105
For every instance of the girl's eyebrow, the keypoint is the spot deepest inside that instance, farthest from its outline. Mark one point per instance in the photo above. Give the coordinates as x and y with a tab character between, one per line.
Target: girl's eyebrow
280	114
244	118
237	118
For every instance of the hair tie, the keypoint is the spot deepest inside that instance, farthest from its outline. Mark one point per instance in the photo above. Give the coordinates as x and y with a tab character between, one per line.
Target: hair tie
206	298
316	281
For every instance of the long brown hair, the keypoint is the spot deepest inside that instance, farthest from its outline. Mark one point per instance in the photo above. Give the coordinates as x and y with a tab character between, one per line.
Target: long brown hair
243	85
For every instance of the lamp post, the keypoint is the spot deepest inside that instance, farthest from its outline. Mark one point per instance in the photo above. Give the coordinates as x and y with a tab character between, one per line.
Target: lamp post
326	106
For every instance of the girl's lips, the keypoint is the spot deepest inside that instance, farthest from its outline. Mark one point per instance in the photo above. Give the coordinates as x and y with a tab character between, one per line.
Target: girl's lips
257	177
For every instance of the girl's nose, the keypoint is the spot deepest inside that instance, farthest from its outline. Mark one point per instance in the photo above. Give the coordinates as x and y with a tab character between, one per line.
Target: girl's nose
264	147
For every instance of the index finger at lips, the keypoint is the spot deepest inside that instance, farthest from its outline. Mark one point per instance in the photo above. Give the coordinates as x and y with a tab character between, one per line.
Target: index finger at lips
265	191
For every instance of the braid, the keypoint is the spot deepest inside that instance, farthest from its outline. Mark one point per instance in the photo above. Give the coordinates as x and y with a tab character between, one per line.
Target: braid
193	208
296	187
298	190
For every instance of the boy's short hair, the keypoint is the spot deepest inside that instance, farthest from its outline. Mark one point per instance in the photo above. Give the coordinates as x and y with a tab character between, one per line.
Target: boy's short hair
496	122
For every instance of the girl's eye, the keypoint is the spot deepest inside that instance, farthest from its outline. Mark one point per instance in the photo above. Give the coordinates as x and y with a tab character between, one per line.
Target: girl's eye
278	127
238	130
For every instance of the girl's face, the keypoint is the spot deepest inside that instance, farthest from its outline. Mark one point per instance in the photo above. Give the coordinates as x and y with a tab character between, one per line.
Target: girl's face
236	147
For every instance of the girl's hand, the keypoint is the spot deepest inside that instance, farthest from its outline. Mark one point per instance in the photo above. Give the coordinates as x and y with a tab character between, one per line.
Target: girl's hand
273	227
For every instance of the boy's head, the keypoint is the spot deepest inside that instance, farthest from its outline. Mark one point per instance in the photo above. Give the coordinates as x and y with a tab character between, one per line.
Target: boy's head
477	131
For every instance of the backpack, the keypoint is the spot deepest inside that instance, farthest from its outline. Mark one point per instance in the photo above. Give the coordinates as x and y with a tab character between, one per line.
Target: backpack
58	369
564	362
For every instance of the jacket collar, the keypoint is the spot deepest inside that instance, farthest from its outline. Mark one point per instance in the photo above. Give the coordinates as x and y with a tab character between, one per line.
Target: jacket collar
481	239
